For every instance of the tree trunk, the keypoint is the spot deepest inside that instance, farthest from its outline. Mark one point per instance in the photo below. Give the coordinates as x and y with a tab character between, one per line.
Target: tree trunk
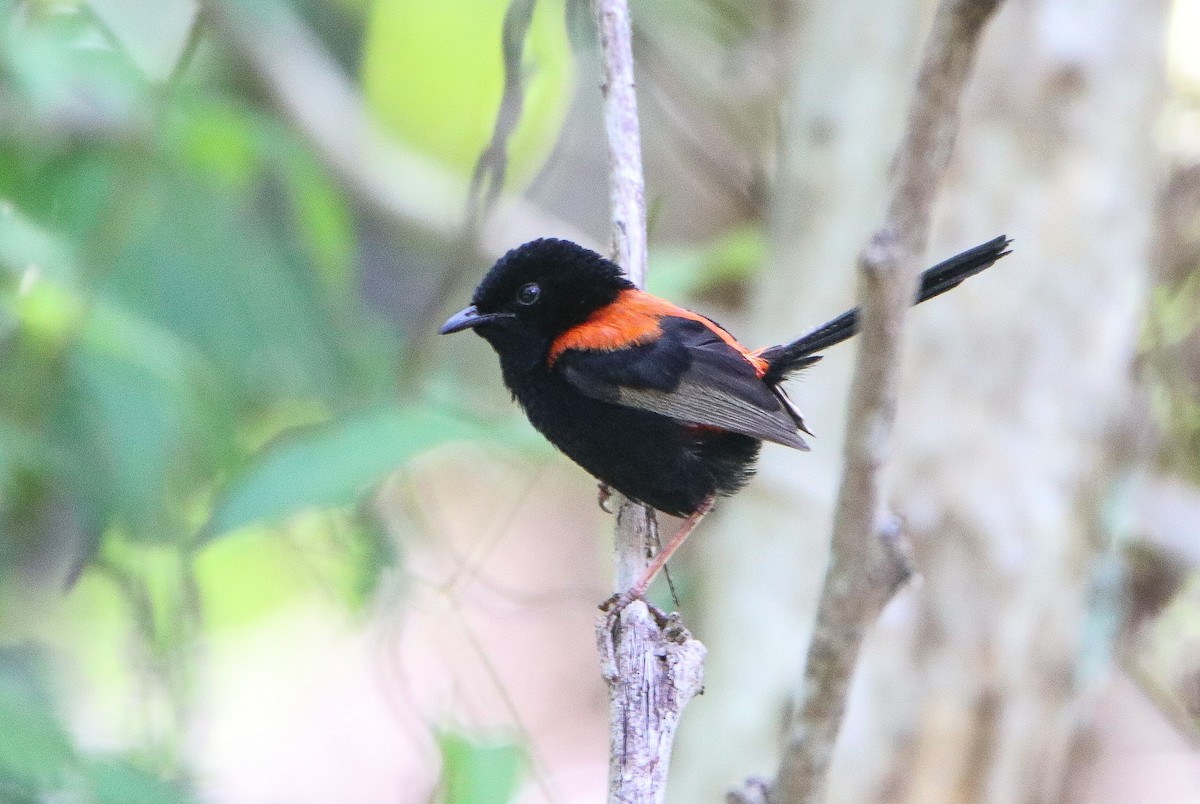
1012	417
1015	389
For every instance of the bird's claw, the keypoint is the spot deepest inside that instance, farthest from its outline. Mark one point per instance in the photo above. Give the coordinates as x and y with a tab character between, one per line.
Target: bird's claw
618	603
604	496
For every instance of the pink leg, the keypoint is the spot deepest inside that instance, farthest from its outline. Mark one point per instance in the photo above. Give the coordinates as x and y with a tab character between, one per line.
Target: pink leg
619	601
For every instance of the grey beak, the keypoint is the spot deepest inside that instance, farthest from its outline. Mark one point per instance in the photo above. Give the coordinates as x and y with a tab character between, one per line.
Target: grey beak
467	318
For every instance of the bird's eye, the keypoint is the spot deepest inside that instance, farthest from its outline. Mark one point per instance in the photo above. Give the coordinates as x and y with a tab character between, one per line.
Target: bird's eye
529	293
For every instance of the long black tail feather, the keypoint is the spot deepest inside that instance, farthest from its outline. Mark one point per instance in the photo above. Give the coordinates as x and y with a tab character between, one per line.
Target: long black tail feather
946	275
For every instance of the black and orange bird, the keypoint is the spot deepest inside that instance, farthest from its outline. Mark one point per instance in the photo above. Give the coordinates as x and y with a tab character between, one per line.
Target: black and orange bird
653	400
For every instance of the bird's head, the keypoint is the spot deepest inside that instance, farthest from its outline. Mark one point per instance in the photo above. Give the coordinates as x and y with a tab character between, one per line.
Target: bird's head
539	291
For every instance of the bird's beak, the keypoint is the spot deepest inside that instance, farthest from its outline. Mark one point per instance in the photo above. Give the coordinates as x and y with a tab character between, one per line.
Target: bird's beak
467	318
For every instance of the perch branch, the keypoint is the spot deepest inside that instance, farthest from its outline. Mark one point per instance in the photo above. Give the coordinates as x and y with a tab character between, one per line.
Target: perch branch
652	668
868	560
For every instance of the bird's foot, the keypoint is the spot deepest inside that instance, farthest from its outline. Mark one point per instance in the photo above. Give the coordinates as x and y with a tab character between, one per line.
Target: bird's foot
618	603
604	496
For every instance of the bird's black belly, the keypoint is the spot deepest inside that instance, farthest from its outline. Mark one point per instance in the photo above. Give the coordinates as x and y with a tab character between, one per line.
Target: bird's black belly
664	463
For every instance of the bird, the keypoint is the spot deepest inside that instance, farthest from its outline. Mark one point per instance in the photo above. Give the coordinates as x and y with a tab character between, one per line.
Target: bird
660	403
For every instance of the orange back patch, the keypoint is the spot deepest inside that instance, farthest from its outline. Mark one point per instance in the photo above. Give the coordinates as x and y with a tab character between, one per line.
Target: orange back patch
633	319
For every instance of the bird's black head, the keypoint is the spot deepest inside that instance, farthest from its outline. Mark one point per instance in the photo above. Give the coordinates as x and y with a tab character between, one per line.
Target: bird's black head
536	292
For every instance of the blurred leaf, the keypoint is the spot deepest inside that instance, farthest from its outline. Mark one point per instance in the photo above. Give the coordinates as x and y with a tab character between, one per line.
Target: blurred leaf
434	74
214	271
475	772
154	41
131	429
258	571
38	759
217	294
49	312
114	782
253	574
1175	314
127	415
329	465
35	750
323	220
67	72
370	551
150	578
216	137
26	247
21	448
681	271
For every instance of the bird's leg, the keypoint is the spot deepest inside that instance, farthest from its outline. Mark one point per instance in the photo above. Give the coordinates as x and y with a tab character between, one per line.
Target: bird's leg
619	601
603	495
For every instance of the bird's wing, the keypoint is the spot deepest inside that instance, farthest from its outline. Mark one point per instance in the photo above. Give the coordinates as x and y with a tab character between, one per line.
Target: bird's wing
689	373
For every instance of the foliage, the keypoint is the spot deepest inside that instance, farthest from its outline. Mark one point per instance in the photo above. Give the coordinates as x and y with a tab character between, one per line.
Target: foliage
451	49
478	772
1170	343
37	756
194	387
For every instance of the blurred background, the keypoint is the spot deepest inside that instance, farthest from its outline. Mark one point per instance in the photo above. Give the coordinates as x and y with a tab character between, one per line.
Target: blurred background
265	538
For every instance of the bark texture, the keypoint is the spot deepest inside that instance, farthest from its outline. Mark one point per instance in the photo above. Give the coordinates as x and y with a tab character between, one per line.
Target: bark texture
1012	419
868	562
970	686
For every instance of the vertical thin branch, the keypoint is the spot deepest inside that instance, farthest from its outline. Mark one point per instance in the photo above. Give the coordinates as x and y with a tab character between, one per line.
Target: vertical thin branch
626	187
868	557
653	669
491	169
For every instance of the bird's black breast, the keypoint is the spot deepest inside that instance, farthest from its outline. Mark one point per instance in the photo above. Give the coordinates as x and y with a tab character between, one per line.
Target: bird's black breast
670	465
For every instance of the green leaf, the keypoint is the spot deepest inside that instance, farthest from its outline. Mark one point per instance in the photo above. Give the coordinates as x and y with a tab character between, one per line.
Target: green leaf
132	429
210	266
26	248
239	145
258	571
477	772
678	271
1175	314
35	749
116	782
434	74
65	70
128	420
22	449
134	422
216	138
323	220
329	465
38	759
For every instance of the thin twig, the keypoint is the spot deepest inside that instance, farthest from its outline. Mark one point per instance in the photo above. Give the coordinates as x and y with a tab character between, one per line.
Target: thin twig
491	169
313	91
653	669
868	559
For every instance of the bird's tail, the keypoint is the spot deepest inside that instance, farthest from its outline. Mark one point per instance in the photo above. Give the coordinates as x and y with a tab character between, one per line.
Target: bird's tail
788	358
